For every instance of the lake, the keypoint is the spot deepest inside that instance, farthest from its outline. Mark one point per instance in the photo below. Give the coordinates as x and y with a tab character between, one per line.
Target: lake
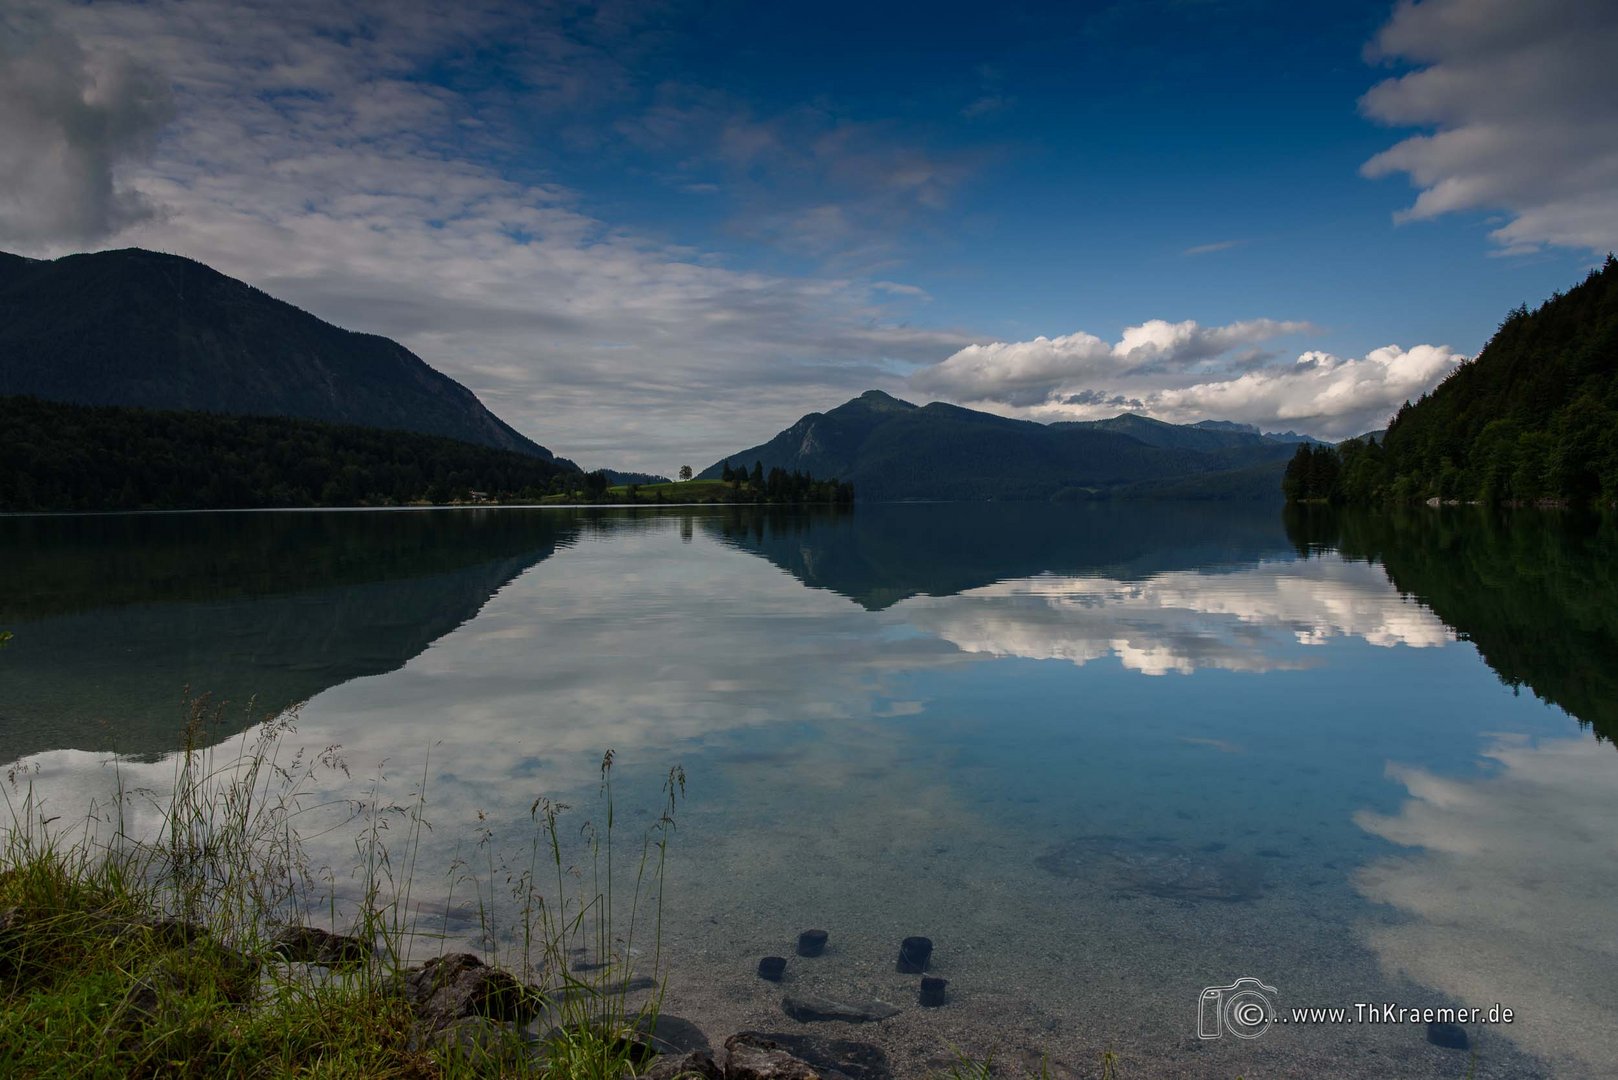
1109	758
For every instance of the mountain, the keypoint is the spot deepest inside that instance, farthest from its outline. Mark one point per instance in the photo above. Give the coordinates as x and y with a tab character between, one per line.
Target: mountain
1214	435
894	450
156	331
1532	418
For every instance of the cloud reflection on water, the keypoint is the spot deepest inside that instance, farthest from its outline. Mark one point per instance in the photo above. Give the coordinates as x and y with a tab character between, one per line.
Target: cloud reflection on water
1508	888
1247	619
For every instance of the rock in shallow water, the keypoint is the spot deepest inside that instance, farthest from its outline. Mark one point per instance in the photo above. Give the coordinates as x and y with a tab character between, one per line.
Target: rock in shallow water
772	967
1449	1036
812	942
831	1057
810	1008
914	955
750	1058
1155	868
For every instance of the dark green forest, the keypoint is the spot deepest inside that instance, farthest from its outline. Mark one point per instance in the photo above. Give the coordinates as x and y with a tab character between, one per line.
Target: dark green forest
1532	419
83	457
1531	590
781	486
60	457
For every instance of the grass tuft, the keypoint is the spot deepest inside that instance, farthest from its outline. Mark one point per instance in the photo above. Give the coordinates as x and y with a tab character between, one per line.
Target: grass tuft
129	953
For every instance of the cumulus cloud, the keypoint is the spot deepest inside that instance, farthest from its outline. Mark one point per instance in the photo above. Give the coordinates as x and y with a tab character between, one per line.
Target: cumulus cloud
1183	372
69	119
1320	393
1026	373
1523	103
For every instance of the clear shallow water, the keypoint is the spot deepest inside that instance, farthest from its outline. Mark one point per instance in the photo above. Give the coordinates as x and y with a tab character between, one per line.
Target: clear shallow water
1104	756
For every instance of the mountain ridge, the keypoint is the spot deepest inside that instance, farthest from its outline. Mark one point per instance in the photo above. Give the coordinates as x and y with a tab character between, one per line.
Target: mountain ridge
132	327
892	449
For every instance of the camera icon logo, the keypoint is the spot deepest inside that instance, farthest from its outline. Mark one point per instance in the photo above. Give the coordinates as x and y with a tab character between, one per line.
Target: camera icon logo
1245	1008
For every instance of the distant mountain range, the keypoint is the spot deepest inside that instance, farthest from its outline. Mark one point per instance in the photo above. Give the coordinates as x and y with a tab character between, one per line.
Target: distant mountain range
141	330
138	328
892	449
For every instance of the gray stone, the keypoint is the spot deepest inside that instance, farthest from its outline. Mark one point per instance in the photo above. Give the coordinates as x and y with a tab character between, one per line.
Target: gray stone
809	1008
1449	1036
311	945
750	1058
830	1057
697	1065
914	955
448	988
673	1034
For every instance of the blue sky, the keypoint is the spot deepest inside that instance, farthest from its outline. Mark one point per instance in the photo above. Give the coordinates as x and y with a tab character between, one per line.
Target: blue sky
651	234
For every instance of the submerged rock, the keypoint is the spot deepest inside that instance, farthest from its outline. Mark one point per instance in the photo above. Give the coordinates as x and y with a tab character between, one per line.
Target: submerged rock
671	1034
1155	868
914	954
831	1058
812	942
749	1057
772	967
810	1008
1449	1036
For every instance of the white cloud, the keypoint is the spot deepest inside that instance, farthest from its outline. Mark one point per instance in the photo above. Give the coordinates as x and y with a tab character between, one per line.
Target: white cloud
1175	344
1320	393
1026	373
1183	372
1523	100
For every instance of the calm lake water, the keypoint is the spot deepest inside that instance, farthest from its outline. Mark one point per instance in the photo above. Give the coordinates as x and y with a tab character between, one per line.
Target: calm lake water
1104	756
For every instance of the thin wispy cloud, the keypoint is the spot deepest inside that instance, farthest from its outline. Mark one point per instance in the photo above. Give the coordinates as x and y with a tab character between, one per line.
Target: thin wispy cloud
1209	249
